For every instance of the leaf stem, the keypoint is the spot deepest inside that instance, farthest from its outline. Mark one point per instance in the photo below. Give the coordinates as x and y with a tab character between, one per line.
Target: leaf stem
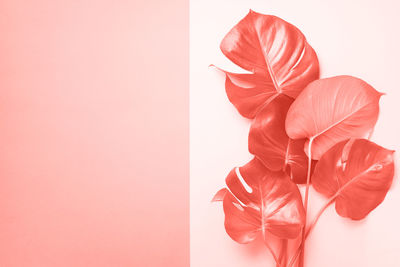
312	225
327	204
283	252
303	234
371	133
272	252
294	258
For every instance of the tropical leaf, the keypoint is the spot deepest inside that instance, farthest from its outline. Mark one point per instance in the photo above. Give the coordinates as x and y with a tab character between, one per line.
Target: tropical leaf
269	142
258	200
332	110
356	174
277	55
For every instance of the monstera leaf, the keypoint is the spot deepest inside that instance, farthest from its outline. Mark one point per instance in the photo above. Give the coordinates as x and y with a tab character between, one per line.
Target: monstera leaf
356	174
258	200
332	110
277	55
269	142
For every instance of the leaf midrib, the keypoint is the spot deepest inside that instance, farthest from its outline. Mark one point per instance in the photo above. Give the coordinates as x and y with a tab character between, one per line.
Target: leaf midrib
269	68
352	180
338	122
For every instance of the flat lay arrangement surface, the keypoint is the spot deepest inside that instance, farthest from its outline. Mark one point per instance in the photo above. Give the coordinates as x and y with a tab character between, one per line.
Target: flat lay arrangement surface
306	145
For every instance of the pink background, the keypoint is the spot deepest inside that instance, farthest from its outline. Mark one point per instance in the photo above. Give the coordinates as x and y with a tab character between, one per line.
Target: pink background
359	38
94	133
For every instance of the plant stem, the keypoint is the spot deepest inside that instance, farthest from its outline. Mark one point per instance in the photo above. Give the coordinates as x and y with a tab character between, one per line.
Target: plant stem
272	252
283	253
371	133
303	234
294	258
327	204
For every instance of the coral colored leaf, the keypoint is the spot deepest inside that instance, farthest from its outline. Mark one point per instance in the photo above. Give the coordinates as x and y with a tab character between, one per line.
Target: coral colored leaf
219	196
259	200
269	142
332	110
277	55
297	167
356	174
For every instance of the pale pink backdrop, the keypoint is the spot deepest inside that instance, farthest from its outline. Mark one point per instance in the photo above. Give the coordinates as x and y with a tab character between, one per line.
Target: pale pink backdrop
94	133
359	38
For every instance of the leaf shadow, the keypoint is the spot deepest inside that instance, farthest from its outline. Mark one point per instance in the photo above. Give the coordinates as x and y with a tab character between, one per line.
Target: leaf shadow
257	247
353	223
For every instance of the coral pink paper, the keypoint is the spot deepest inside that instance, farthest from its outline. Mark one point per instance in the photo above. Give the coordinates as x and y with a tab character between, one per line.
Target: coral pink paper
93	121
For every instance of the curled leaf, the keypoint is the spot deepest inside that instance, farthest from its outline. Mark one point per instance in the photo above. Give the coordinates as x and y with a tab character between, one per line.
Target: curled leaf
277	55
269	142
356	174
332	110
258	200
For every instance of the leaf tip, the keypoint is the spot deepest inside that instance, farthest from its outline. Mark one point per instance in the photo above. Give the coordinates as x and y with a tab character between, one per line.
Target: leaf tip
219	196
218	69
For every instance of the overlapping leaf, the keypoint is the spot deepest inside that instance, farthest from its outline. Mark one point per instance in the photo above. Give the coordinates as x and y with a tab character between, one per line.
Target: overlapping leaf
277	55
258	200
356	174
332	110
269	142
323	122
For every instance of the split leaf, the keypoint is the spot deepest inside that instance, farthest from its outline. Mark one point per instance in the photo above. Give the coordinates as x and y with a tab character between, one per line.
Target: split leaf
277	55
258	200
